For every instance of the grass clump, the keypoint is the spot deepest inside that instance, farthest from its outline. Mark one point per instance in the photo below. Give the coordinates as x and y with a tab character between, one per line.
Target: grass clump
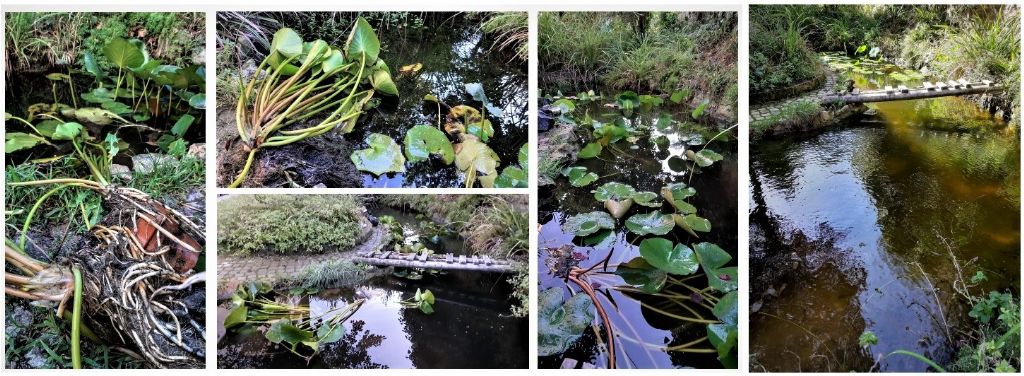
329	274
794	114
287	224
511	32
780	55
499	228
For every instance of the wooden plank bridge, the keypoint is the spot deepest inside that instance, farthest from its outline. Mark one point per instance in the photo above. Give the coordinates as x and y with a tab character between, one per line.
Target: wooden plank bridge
436	261
929	89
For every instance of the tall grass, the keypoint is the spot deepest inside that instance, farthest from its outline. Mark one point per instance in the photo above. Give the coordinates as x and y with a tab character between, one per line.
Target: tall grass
511	32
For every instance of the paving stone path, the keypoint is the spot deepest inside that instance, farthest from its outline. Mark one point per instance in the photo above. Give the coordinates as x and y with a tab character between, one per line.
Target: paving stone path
764	110
234	270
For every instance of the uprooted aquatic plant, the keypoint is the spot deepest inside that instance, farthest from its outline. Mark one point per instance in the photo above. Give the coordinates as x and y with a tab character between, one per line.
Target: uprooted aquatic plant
299	81
301	329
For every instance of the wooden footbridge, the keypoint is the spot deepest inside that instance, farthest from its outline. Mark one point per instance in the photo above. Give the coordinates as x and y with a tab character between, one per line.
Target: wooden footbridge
432	261
926	90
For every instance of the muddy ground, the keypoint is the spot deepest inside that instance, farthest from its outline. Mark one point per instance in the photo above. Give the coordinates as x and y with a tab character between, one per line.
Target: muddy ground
317	161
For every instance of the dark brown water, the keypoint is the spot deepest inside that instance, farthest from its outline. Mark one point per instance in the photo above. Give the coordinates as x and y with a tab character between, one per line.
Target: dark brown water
642	333
856	229
470	326
460	54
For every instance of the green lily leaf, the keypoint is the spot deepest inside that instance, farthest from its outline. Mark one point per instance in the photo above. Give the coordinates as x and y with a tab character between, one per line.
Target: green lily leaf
198	101
89	61
512	177
423	140
426	307
67	131
628	101
116	107
704	158
48	127
664	121
284	331
237	316
362	41
381	80
123	54
614	191
725	310
590	151
482	129
561	324
640	274
524	157
722	279
588	223
427	296
653	223
723	337
691	222
16	141
647	199
660	253
565	106
578	176
334	61
383	156
286	42
330	333
98	95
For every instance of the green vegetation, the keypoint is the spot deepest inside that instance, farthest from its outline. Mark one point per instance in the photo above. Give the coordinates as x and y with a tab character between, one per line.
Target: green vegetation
330	273
975	41
795	114
287	224
511	32
659	52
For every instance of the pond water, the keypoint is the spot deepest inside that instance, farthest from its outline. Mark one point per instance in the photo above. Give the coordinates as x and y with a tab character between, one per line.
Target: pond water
459	55
470	326
856	229
646	168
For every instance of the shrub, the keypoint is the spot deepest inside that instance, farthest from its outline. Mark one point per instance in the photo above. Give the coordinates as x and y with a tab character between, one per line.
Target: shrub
286	224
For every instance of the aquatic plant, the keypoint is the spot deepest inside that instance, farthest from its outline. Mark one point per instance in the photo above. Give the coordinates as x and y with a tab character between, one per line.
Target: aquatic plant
298	328
423	300
300	80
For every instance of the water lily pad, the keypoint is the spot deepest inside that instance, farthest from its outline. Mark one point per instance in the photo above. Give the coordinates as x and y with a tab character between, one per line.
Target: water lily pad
725	310
236	316
383	156
98	95
590	151
512	177
695	223
560	324
588	223
648	199
473	158
653	223
705	157
362	41
422	141
628	101
723	337
664	121
676	193
614	191
640	274
579	176
286	42
660	253
283	331
711	256
198	101
481	128
722	279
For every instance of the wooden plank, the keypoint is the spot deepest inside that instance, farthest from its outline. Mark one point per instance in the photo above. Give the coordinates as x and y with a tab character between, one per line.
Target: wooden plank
954	84
385	255
449	258
966	83
929	86
423	256
903	89
475	260
462	259
942	86
888	89
986	82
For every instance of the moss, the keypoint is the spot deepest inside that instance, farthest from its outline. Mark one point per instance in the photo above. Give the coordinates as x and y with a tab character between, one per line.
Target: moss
796	113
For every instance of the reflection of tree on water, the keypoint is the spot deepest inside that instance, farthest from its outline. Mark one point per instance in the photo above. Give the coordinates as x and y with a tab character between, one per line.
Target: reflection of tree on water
352	350
461	335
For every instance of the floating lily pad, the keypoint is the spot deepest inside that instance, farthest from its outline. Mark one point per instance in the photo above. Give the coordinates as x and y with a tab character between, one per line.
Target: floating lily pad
578	176
660	253
565	106
723	337
588	223
628	101
590	151
422	141
560	323
640	274
653	223
383	156
512	177
614	191
648	199
705	157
